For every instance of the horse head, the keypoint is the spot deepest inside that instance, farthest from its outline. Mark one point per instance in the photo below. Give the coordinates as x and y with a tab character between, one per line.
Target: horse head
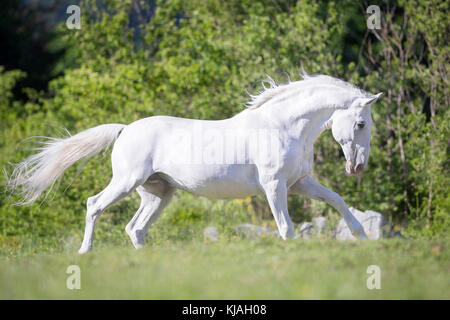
351	128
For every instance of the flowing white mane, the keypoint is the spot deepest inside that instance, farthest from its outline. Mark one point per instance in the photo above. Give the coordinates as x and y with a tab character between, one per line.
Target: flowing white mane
274	89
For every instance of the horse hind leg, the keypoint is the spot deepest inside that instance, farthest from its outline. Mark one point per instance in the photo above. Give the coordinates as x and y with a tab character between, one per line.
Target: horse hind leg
117	189
155	196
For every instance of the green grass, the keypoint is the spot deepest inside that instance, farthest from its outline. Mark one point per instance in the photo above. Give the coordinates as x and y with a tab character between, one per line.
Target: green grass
264	268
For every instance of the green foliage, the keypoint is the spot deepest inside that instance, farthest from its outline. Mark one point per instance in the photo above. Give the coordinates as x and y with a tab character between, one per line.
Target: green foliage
8	80
196	59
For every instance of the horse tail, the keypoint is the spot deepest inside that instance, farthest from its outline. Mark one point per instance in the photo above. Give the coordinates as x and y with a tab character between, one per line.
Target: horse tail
31	177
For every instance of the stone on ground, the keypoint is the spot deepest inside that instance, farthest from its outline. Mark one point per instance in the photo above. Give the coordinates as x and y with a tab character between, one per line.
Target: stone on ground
309	229
211	234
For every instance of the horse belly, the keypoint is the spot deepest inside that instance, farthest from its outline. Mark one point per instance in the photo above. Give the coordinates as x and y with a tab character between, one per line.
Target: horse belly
214	181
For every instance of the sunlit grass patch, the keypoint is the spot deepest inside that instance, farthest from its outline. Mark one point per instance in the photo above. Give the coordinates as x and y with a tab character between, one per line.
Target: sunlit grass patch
263	268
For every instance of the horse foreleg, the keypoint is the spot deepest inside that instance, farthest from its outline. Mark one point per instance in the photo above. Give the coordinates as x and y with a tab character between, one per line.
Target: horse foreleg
312	189
276	193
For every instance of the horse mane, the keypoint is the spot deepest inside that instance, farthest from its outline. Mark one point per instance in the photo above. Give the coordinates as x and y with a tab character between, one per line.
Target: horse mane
274	89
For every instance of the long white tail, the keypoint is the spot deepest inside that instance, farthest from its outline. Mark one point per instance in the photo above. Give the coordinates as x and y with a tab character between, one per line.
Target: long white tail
36	173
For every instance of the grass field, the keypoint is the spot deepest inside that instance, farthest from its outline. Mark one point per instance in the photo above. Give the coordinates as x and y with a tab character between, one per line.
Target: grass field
265	268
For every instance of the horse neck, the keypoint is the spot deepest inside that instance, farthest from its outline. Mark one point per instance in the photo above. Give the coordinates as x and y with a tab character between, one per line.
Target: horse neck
304	119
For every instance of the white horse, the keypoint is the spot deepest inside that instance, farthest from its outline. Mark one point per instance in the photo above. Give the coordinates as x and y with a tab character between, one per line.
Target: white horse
265	149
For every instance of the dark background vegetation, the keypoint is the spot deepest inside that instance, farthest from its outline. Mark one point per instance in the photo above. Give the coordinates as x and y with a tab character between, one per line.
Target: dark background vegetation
134	59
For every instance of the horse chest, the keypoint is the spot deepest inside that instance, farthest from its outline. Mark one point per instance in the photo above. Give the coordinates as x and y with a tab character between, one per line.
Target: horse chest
298	165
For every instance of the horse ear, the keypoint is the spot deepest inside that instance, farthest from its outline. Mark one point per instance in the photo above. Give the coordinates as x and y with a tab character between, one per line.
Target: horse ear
372	99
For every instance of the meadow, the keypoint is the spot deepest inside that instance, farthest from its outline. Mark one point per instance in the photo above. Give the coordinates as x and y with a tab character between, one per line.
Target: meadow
263	268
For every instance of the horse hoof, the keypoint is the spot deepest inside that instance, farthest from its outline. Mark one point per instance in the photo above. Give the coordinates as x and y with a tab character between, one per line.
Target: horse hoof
138	243
84	250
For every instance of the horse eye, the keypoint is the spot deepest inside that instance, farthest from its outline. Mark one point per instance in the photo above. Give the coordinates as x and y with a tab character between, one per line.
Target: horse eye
361	125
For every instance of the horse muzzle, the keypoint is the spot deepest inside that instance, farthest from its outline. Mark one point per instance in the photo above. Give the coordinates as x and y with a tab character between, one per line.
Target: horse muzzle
354	170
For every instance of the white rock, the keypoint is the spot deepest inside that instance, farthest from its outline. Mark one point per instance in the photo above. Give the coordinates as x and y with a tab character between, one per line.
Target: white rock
305	230
320	223
374	224
309	229
211	234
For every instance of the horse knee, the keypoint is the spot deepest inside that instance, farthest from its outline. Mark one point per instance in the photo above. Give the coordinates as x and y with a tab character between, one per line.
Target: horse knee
336	201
